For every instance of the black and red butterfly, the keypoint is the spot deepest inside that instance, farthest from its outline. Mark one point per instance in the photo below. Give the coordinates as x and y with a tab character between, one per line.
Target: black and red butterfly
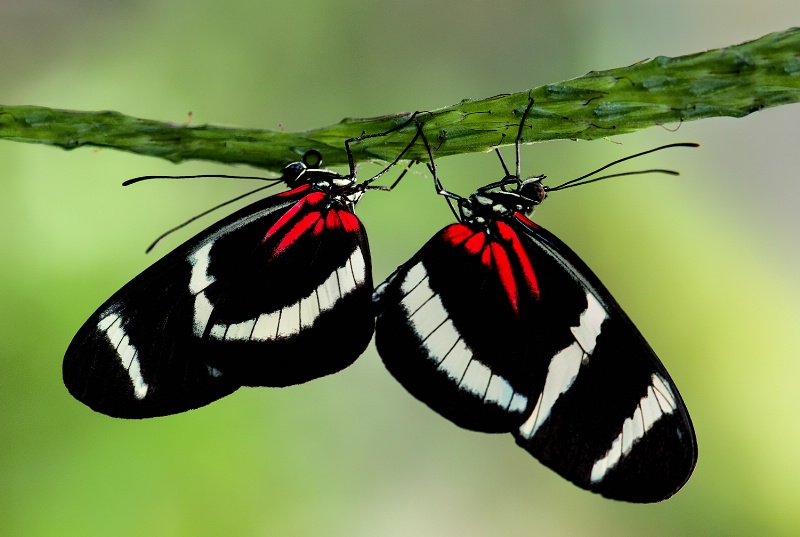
500	327
276	294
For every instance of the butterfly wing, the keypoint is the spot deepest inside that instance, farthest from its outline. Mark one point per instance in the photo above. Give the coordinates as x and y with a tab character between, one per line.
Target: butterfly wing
509	331
254	300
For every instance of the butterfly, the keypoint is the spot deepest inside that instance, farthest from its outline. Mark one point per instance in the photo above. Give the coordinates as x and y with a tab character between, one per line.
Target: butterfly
276	294
498	326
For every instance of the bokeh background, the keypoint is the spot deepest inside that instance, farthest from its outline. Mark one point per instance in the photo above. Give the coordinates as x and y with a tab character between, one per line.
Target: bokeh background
705	263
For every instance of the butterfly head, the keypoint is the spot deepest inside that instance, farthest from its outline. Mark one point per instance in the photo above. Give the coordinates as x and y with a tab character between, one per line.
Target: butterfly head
504	198
309	170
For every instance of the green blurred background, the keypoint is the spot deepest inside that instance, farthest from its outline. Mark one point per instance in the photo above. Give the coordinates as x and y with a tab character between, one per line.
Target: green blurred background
704	263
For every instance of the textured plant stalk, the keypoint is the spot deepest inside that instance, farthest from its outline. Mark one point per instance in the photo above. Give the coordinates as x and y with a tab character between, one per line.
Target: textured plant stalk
732	81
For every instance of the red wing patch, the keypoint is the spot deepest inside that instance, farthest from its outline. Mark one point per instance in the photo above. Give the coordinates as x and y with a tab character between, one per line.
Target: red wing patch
342	219
475	243
506	274
508	233
502	253
457	233
302	217
332	220
299	224
297	230
349	221
293	191
525	220
312	199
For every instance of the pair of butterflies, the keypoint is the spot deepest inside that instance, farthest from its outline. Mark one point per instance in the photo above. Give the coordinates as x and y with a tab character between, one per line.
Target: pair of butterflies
495	324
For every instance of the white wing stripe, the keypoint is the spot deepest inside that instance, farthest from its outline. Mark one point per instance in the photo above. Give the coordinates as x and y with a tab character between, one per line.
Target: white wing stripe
439	337
289	324
414	276
428	317
590	322
346	281
111	326
664	392
200	261
649	410
309	310
218	331
561	374
290	320
328	292
499	391
457	361
115	333
566	364
240	331
416	298
518	403
202	313
359	266
441	341
476	378
266	326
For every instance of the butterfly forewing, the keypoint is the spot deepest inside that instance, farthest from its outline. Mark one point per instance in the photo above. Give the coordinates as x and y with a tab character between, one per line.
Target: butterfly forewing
122	367
273	321
502	328
254	300
616	424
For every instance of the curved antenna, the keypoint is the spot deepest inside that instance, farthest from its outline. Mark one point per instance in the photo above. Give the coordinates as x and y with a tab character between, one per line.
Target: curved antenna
204	213
312	159
220	176
610	176
579	180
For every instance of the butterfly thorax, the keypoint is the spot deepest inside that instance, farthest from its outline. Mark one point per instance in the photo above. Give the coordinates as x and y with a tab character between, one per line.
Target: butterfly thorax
340	190
298	173
493	203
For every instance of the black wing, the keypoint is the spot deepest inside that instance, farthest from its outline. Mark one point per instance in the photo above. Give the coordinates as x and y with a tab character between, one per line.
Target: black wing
276	294
509	331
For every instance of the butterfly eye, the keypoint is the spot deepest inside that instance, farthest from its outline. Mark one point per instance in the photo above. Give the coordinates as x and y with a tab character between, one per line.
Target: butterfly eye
533	190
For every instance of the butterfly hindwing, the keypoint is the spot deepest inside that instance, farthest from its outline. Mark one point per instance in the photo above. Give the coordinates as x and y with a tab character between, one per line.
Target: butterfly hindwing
452	350
502	328
253	300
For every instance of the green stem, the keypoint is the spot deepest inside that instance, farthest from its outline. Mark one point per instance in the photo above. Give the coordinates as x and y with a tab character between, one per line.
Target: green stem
732	81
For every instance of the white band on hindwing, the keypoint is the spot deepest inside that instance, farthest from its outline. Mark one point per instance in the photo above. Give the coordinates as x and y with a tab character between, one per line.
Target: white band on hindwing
438	335
282	323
